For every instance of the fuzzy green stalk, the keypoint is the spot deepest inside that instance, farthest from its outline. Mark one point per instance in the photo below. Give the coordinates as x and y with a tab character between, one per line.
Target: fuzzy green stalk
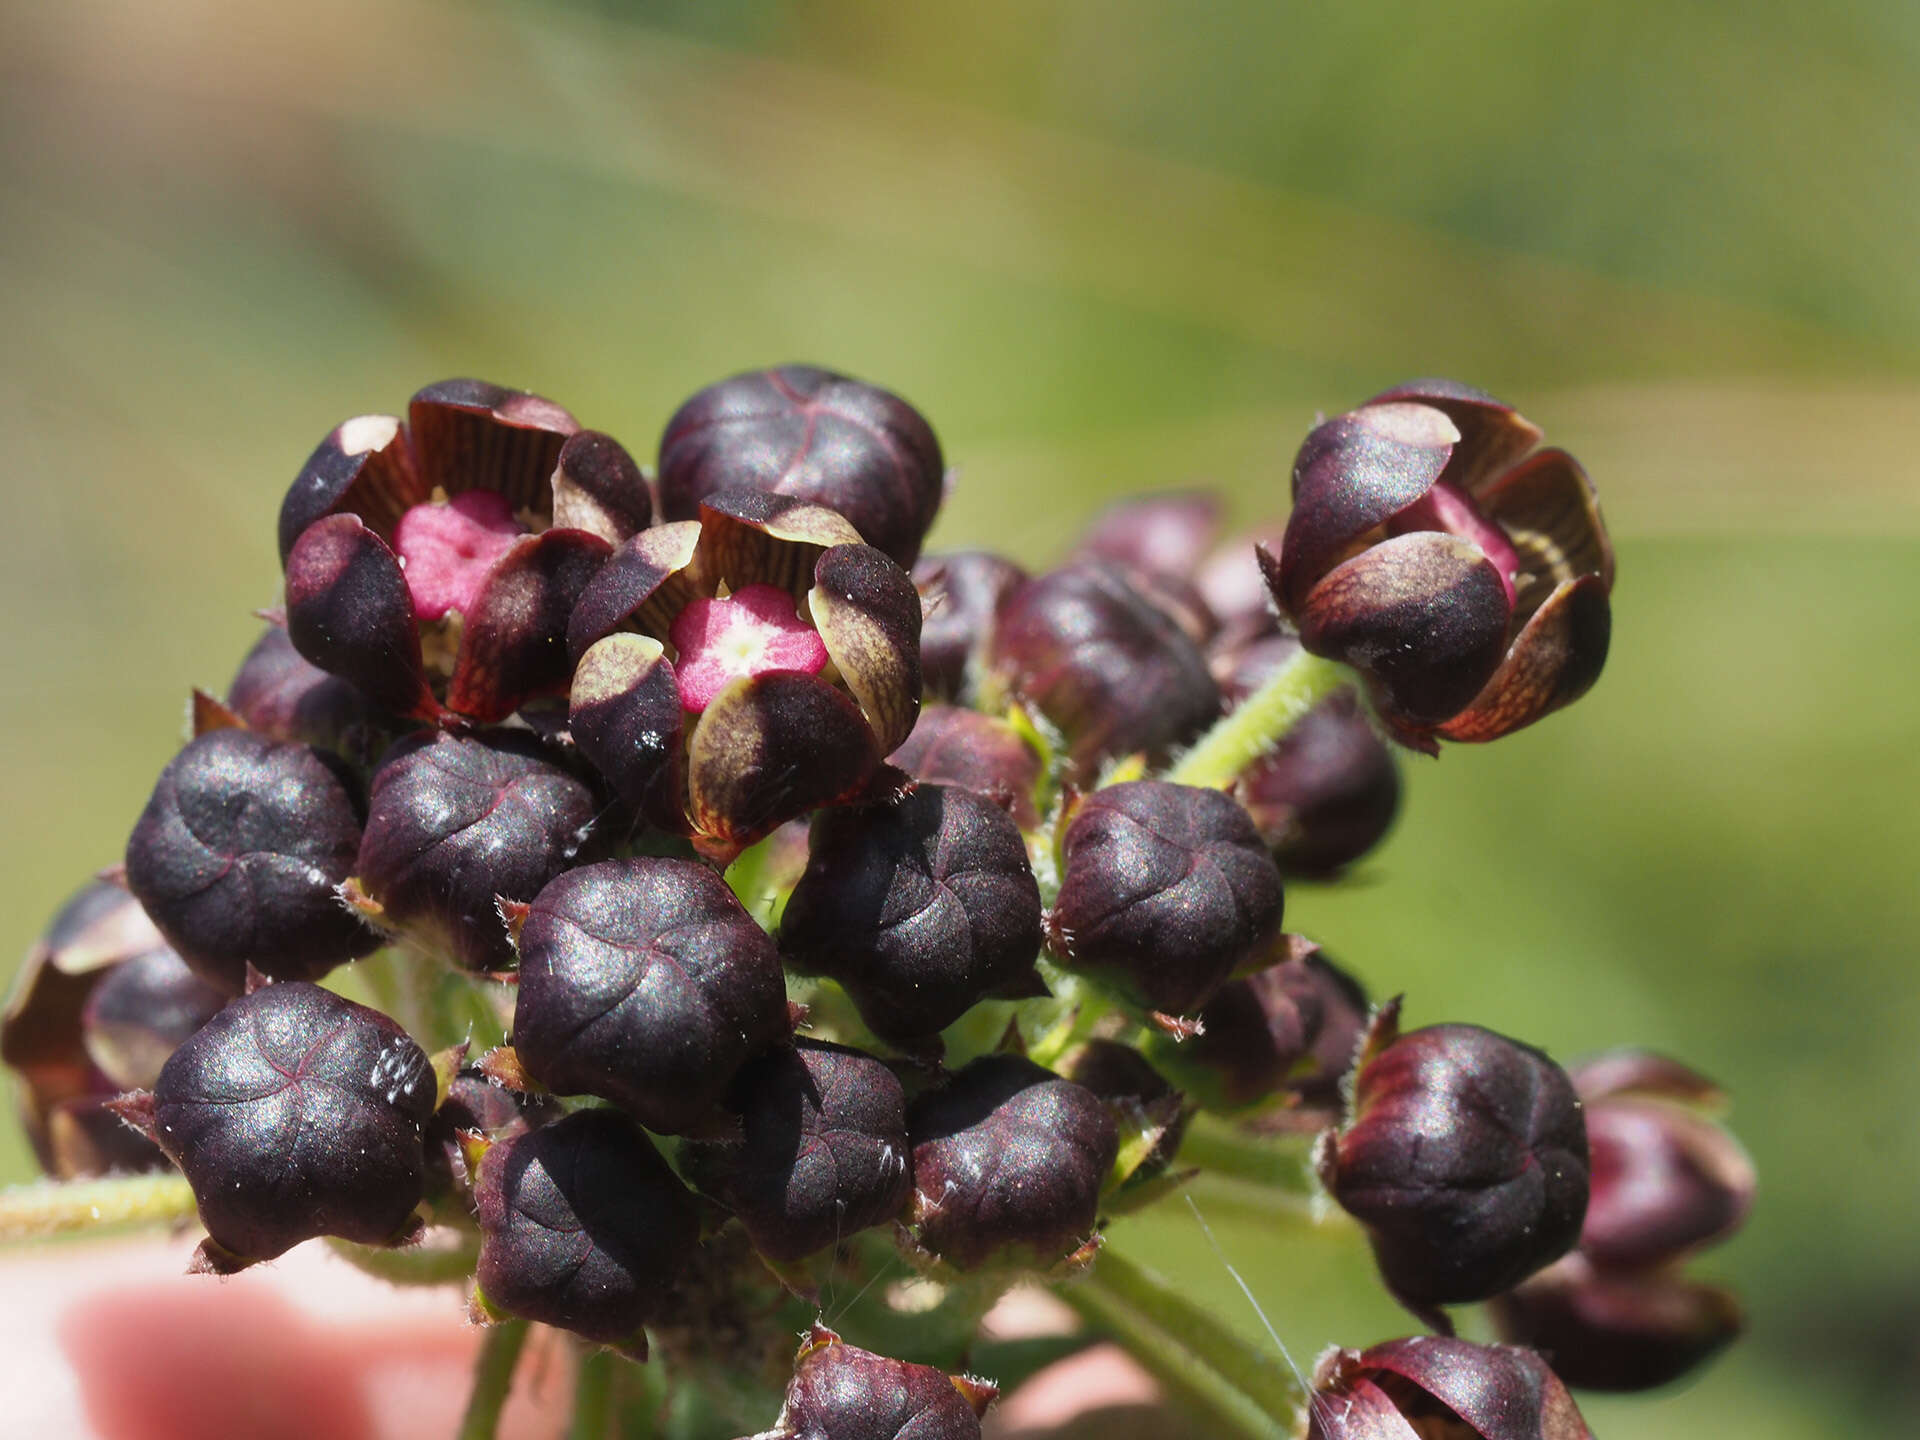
1260	722
1246	1394
492	1379
424	1264
1221	1148
60	1207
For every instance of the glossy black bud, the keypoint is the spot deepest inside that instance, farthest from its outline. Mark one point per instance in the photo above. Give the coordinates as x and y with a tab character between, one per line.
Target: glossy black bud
143	1010
1166	890
1008	1163
239	855
646	983
295	1113
454	825
1465	1158
582	1226
1112	671
919	908
822	1152
1618	1331
841	1392
960	594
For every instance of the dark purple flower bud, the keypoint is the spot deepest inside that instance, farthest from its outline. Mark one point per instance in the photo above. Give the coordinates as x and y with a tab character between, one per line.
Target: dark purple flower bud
1667	1179
283	697
1167	889
1113	672
1008	1164
239	855
787	688
63	1094
143	1009
646	983
822	1153
986	755
1166	534
1618	1331
919	907
455	824
1466	578
1464	1157
812	435
1344	1013
1148	1109
295	1113
584	1227
1433	1388
841	1392
961	594
1329	791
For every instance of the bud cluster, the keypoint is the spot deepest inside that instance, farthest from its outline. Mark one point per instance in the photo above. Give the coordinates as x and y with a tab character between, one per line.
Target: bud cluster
766	899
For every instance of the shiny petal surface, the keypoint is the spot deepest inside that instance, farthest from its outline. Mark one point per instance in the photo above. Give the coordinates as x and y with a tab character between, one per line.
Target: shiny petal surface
868	614
643	584
752	538
348	612
1551	514
626	717
1552	662
364	467
598	488
513	646
470	435
1493	435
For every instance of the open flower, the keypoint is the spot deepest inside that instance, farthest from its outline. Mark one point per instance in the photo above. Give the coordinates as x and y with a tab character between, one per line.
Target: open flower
1464	572
434	563
739	670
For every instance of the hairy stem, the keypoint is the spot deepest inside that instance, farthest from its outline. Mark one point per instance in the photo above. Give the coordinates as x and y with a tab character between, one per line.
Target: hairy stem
425	1264
1245	1393
1260	722
492	1379
1222	1149
59	1207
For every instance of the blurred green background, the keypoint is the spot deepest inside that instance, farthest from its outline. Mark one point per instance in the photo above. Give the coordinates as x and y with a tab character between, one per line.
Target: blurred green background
1105	245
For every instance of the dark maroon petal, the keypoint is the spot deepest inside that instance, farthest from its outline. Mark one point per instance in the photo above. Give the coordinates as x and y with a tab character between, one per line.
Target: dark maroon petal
282	696
140	1013
238	857
749	537
1423	615
1008	1163
1344	1012
814	435
584	1227
644	584
984	754
1360	1410
457	823
598	488
1166	534
920	907
1492	435
364	468
1465	1158
1115	674
625	716
295	1113
469	435
1166	890
1501	1391
822	1153
771	748
348	612
1554	660
868	616
646	983
1551	515
1353	474
513	646
1619	1332
960	596
1666	1181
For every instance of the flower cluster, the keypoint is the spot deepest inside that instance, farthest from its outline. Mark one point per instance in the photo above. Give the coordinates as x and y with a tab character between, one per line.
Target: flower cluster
749	902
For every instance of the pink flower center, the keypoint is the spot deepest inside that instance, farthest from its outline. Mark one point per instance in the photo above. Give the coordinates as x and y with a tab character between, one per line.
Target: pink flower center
1450	509
753	631
447	550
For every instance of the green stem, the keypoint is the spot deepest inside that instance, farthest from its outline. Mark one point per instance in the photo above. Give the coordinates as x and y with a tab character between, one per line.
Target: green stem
493	1379
1220	1148
413	1264
56	1207
1260	722
1247	1394
593	1397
